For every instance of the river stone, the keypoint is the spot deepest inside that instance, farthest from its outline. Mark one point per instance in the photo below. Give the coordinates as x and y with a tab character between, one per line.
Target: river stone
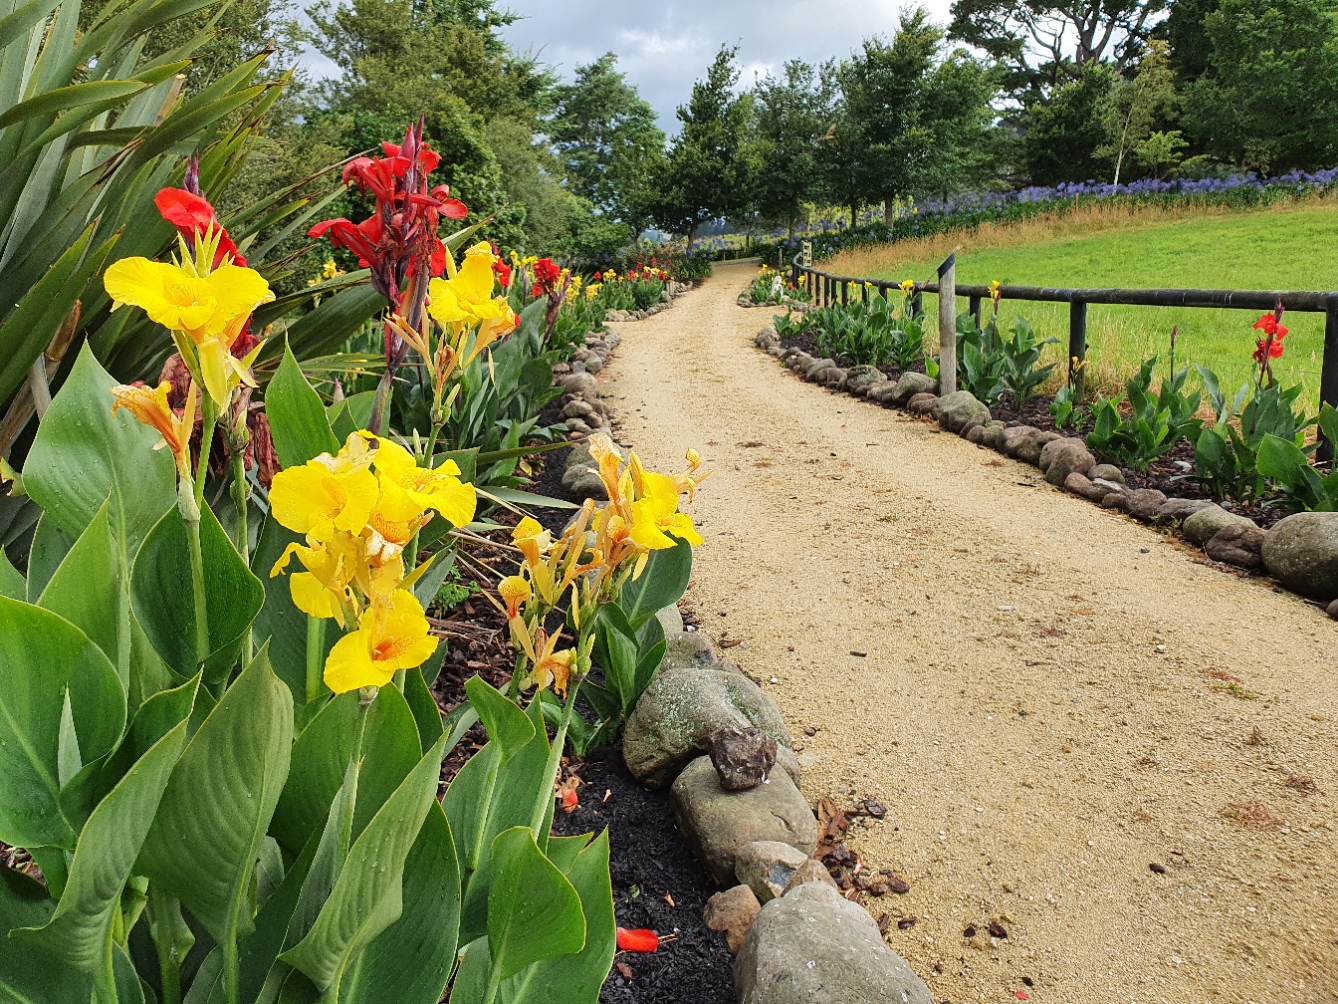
1014	436
593	363
977	421
579	383
881	391
1029	450
813	945
743	757
1202	526
1239	545
774	350
690	650
1080	484
911	383
671	620
799	360
862	376
732	912
1064	456
992	434
976	433
811	870
1107	472
1301	552
717	822
1179	510
954	410
766	338
1144	503
833	377
674	719
767	866
921	404
812	370
589	486
574	474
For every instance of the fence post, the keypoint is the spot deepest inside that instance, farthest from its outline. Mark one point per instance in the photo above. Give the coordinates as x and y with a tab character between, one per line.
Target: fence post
947	325
1077	348
1328	373
974	308
845	293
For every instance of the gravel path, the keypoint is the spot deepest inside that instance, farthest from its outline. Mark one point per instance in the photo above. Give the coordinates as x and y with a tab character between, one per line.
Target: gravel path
1048	698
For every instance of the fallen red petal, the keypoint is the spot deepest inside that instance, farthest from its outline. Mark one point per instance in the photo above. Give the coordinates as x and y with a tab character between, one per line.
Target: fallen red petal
638	940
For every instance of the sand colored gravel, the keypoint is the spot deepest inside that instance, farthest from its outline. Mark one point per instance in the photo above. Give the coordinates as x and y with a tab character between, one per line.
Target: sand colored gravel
1051	697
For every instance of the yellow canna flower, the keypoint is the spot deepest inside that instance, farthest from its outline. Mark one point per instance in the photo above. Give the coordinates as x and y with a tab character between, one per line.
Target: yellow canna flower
320	590
995	287
533	540
391	636
551	665
908	286
150	406
322	496
407	490
514	591
211	309
655	516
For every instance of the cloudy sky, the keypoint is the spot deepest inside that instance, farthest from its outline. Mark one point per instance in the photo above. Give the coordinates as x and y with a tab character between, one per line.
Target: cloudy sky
664	46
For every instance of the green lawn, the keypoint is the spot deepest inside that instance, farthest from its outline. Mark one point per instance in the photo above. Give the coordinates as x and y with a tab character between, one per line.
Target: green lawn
1264	250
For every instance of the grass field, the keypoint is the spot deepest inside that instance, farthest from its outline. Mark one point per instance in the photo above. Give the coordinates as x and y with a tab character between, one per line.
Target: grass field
1286	248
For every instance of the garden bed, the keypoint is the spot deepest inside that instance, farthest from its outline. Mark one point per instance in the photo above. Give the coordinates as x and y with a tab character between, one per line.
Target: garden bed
1172	474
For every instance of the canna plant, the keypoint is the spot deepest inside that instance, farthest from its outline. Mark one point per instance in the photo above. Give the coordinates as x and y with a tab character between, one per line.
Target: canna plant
614	566
226	800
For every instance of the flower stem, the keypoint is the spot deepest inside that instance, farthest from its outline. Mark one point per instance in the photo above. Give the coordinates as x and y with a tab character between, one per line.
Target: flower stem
209	415
315	648
378	420
169	968
554	763
241	496
190	516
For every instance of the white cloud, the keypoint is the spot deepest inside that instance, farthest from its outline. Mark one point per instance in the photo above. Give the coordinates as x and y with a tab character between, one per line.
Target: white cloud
663	48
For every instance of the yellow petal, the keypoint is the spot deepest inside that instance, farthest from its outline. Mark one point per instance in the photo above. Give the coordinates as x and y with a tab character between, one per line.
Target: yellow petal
214	368
310	595
238	291
349	666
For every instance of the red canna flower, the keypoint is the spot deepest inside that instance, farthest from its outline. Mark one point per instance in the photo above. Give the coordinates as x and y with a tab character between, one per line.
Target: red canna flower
546	273
192	214
503	272
1267	347
638	940
1269	325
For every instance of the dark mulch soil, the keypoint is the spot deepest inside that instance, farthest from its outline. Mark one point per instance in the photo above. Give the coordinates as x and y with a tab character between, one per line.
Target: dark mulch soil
1172	475
657	884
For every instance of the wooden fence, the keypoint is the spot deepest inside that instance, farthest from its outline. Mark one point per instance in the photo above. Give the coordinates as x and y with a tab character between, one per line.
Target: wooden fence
827	288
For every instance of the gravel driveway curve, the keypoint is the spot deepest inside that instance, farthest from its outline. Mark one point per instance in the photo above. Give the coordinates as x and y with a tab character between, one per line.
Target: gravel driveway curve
1049	698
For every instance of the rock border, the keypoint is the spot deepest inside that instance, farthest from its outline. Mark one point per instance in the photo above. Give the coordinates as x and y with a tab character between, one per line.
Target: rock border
672	290
1300	551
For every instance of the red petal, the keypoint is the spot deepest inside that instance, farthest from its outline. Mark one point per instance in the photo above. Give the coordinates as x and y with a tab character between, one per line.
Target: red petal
638	940
319	229
391	149
454	209
184	210
428	160
1022	995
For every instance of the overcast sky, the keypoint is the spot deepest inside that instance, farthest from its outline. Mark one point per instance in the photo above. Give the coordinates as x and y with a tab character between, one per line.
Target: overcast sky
663	47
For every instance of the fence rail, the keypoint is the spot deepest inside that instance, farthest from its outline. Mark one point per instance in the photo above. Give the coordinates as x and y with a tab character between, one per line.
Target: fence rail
827	288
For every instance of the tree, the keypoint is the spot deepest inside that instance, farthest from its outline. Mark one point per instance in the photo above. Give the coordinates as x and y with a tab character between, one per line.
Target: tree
1268	99
442	59
606	137
915	117
792	113
705	176
1044	45
1064	133
1190	45
1135	103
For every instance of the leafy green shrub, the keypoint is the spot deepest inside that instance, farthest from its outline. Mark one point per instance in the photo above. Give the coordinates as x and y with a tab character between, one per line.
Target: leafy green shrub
1285	463
874	333
790	324
1063	410
1225	455
991	366
1153	425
